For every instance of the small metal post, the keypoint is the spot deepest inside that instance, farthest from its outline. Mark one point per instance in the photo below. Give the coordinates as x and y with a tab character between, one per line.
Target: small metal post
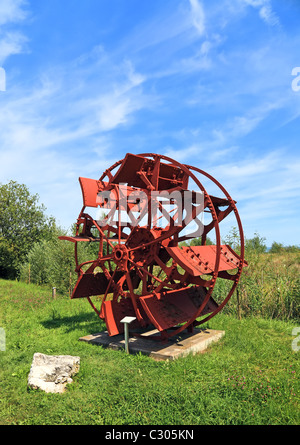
238	304
126	334
127	321
53	293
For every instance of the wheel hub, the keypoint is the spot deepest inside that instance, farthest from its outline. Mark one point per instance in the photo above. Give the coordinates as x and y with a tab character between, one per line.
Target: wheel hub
143	255
120	256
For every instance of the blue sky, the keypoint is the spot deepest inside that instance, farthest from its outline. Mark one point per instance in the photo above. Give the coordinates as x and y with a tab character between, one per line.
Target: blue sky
208	83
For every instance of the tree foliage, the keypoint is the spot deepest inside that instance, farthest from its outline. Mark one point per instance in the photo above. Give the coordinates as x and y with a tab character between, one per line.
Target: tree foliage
8	263
280	248
256	244
22	223
51	262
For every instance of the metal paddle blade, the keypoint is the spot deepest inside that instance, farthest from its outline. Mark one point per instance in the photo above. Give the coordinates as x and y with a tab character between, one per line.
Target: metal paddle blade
168	309
114	311
200	260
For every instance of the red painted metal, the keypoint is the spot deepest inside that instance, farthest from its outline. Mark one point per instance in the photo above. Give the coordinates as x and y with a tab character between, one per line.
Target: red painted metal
143	267
200	260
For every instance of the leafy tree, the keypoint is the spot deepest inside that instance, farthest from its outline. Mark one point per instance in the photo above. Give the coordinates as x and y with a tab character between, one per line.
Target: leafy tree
51	262
198	241
276	247
233	239
22	223
292	248
256	244
7	259
280	248
252	245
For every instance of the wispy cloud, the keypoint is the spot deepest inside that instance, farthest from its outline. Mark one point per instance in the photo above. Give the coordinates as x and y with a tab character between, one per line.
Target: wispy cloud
265	10
12	11
11	41
198	16
67	117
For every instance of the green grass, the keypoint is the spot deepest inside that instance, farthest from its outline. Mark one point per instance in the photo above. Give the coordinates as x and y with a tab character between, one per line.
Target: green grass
250	377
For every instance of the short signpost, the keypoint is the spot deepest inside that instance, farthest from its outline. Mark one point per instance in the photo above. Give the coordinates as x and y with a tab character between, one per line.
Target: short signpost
127	321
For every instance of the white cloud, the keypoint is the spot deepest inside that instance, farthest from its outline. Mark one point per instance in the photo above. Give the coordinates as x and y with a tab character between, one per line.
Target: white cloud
53	114
184	155
11	42
12	11
134	78
198	16
114	105
266	12
115	110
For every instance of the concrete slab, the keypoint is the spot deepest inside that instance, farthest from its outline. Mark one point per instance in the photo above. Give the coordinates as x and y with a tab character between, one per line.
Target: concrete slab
181	345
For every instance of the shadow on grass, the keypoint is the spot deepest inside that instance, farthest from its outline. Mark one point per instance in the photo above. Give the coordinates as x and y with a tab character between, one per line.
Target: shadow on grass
89	320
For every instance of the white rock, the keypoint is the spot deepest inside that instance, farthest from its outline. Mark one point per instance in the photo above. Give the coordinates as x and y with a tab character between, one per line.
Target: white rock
51	373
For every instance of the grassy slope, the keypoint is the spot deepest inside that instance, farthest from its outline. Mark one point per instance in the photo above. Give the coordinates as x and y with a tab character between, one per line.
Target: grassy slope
250	377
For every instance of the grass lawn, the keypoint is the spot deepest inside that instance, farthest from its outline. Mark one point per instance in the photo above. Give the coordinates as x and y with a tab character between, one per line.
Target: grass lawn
249	377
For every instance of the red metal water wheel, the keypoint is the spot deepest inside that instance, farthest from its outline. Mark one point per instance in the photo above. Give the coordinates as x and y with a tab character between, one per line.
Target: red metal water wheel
142	268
